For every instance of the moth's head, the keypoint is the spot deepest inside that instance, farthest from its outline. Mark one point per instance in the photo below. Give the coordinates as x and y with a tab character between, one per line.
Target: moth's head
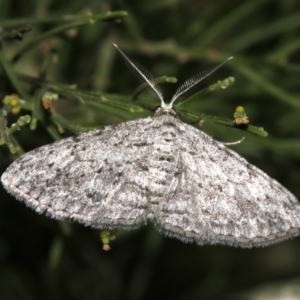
165	109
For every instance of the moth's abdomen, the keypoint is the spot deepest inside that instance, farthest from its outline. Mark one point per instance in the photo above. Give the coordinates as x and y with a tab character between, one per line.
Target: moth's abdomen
163	164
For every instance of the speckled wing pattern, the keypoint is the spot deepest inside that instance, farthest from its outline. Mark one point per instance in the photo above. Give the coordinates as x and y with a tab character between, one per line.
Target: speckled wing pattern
222	199
160	169
93	178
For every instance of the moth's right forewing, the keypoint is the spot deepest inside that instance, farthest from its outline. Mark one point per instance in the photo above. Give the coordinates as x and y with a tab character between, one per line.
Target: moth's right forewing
85	178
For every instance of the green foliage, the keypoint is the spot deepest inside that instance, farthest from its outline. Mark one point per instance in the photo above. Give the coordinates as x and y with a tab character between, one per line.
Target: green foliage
61	75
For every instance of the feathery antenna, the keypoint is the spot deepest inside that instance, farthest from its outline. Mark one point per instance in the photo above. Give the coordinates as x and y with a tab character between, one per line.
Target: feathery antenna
184	91
144	75
189	86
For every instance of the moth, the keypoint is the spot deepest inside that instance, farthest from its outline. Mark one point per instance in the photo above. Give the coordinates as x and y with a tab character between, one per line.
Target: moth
156	169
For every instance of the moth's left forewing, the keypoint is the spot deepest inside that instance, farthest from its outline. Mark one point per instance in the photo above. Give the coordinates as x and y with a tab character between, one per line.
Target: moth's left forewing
228	200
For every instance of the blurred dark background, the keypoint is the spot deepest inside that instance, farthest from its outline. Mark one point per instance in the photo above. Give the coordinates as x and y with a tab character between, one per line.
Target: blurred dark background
41	258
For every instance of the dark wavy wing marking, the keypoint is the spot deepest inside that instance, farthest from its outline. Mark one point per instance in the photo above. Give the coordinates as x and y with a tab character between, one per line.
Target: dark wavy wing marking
228	200
95	178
